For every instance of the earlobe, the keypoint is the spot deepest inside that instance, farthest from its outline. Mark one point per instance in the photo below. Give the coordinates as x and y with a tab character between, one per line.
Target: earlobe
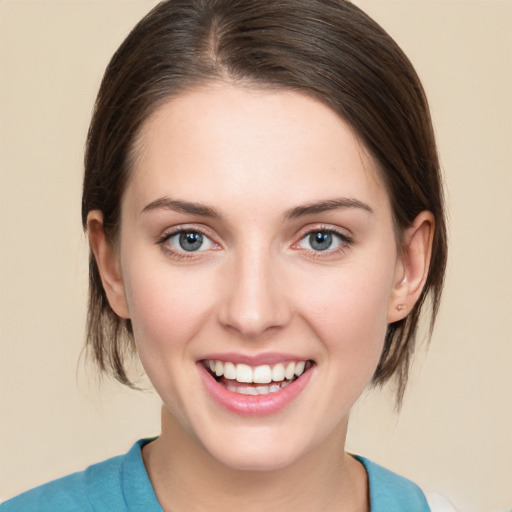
412	267
108	263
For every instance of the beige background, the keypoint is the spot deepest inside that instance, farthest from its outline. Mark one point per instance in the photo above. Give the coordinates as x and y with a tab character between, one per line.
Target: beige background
454	434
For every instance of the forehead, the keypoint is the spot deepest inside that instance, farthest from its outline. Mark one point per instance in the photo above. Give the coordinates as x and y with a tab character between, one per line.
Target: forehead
270	147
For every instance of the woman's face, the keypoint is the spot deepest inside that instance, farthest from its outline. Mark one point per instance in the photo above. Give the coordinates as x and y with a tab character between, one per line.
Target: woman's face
256	240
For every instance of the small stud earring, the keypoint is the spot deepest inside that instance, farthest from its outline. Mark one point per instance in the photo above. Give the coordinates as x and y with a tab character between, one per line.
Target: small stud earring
401	307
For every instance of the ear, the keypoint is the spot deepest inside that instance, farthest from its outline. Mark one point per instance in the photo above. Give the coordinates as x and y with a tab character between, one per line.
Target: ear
412	266
109	266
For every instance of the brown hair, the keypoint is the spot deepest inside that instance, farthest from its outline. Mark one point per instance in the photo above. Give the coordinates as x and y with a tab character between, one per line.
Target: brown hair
328	49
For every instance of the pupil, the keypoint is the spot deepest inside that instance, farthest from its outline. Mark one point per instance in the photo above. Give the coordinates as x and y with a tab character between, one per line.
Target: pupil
320	241
191	241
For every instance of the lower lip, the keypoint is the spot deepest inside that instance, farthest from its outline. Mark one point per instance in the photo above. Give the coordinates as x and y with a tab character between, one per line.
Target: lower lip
249	405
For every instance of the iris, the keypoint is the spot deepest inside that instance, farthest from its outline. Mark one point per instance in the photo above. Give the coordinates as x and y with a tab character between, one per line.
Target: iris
190	240
320	241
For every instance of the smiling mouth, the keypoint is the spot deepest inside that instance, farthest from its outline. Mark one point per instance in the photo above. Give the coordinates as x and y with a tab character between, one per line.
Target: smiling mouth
256	380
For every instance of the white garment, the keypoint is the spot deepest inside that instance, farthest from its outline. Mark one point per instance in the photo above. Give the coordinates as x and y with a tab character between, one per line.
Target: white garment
438	503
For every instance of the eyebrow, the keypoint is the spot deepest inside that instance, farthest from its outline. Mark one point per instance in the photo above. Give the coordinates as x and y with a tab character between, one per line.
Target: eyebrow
166	203
202	210
324	206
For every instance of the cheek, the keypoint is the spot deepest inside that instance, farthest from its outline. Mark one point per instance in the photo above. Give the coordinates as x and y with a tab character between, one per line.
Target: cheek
166	308
348	311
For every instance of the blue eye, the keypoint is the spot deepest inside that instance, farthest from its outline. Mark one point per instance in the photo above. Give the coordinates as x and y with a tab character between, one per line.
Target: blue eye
189	241
321	240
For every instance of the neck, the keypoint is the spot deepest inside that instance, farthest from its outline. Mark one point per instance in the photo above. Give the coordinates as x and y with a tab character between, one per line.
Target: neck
186	477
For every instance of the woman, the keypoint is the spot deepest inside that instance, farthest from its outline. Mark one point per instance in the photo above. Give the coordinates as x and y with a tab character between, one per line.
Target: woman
264	208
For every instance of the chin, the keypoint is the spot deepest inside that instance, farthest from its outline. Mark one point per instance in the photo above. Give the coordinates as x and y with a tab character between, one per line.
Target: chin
258	461
257	450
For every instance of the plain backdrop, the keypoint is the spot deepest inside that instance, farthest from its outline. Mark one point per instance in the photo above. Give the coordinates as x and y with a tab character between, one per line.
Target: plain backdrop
454	434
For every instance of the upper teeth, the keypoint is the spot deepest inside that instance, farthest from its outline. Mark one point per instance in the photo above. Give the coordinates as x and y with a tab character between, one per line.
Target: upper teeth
259	374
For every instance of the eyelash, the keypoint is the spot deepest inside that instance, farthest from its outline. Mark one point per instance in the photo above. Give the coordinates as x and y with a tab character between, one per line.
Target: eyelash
182	255
345	242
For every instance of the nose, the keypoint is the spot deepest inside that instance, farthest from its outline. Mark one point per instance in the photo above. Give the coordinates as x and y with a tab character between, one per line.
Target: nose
254	301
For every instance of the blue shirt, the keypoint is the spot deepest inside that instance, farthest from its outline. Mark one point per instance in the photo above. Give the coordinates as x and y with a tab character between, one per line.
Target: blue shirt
121	484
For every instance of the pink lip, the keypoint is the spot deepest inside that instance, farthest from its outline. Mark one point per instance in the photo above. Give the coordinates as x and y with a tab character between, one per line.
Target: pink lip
249	405
253	360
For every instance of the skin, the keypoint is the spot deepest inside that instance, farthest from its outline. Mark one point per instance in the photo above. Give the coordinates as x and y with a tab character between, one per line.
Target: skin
257	287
